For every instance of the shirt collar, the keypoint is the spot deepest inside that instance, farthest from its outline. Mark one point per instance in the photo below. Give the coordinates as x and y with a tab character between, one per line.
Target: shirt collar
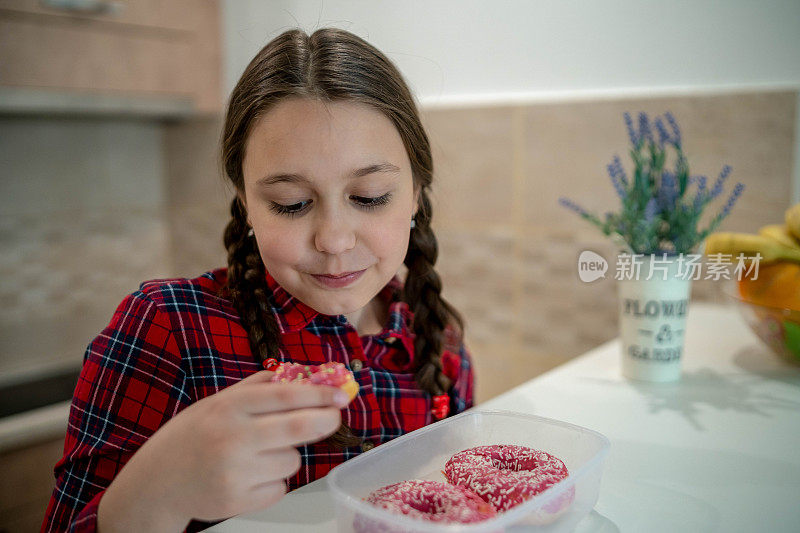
293	315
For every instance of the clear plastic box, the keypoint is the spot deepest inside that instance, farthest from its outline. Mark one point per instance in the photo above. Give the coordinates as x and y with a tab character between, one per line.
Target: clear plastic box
423	453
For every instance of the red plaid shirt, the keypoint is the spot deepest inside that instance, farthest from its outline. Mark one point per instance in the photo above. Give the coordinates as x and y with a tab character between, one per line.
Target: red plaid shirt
174	342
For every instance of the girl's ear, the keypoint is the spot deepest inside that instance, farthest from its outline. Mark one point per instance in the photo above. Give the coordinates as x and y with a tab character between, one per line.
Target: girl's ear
242	200
416	201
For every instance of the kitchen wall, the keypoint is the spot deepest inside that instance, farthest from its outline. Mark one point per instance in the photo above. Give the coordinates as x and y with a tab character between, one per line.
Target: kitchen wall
93	206
523	102
82	215
508	250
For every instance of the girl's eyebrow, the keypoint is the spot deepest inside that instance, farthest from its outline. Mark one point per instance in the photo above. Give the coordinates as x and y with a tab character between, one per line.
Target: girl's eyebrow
299	178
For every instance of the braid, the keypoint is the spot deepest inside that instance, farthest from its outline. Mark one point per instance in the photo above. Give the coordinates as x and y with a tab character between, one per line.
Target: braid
432	314
247	287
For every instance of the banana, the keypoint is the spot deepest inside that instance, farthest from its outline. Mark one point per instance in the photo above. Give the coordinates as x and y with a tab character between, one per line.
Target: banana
780	234
749	245
792	219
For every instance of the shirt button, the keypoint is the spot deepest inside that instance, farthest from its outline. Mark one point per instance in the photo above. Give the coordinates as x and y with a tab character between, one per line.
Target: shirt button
367	446
356	364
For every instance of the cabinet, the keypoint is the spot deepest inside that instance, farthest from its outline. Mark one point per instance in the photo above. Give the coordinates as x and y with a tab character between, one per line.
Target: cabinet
136	49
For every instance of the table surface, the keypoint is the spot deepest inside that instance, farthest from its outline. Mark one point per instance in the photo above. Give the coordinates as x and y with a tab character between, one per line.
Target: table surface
717	451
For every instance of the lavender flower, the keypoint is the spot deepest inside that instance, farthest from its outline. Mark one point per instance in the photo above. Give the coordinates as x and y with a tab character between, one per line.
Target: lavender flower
644	128
700	197
663	134
657	213
737	192
716	190
618	177
631	132
668	192
676	137
650	210
569	204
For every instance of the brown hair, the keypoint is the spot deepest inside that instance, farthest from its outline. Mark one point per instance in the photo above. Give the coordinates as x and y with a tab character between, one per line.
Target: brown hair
332	65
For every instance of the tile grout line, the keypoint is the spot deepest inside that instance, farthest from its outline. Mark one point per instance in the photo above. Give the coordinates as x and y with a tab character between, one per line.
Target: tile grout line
517	217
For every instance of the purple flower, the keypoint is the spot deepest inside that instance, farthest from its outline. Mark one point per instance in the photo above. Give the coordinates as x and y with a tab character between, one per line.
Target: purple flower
716	190
644	128
737	192
631	131
667	192
618	177
663	134
569	204
700	197
650	210
676	132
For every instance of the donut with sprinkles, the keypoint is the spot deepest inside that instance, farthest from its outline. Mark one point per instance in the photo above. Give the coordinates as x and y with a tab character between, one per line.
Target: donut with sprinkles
333	374
434	501
506	475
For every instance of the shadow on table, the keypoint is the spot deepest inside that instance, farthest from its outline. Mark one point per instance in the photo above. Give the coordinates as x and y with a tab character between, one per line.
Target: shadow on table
316	510
596	523
758	360
708	388
724	392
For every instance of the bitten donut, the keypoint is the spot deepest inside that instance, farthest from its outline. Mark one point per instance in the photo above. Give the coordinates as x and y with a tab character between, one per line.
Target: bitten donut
333	374
506	475
431	500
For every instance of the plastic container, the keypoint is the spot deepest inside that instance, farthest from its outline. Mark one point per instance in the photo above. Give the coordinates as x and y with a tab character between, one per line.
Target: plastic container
423	453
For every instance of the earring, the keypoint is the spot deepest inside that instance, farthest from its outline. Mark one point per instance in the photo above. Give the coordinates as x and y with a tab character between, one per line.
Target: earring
413	223
251	232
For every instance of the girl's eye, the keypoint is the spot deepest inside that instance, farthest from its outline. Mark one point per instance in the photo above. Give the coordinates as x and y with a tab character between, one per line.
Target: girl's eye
291	210
299	208
372	203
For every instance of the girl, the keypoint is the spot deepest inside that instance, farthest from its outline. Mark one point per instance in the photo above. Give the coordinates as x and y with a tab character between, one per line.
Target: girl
172	420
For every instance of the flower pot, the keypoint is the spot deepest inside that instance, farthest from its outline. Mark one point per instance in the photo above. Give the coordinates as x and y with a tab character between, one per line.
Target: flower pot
652	318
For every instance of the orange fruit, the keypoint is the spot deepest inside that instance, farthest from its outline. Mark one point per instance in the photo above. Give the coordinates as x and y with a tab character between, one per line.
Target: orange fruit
777	285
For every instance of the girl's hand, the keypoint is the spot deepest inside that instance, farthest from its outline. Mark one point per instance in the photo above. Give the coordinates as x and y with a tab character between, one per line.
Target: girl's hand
224	455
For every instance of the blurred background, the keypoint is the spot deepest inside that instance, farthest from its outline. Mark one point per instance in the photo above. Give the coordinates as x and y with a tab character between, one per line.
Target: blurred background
110	118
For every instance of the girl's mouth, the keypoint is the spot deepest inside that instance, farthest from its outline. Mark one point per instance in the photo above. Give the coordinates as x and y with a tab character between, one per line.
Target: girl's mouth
336	281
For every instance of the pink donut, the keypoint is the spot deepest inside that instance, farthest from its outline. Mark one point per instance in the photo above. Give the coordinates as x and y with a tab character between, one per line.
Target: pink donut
506	475
333	374
432	500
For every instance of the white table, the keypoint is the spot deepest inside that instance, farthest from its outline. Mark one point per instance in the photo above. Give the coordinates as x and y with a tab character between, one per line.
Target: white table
717	451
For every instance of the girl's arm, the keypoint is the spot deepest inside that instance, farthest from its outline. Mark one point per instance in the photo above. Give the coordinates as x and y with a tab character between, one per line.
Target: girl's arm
130	384
142	456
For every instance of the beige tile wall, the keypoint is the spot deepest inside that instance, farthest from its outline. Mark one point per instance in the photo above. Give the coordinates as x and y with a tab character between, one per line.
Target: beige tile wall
509	251
73	246
82	222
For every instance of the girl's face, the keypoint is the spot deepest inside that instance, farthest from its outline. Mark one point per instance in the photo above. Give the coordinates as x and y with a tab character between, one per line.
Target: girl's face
328	190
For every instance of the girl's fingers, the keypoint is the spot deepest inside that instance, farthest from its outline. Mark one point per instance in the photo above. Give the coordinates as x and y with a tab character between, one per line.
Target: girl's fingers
278	397
261	376
295	428
275	465
264	495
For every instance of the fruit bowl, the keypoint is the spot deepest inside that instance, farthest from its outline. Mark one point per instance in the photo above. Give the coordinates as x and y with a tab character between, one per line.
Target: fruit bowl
778	327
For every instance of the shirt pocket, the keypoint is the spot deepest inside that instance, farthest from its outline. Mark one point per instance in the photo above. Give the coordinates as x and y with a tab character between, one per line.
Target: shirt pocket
363	413
404	406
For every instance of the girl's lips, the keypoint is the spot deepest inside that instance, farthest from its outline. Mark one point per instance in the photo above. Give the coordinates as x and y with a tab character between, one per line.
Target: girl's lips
336	282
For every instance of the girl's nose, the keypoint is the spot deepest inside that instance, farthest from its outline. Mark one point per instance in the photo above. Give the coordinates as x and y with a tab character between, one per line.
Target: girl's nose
334	235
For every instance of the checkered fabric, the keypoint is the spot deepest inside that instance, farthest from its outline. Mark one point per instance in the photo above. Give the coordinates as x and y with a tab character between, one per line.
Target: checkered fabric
176	341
